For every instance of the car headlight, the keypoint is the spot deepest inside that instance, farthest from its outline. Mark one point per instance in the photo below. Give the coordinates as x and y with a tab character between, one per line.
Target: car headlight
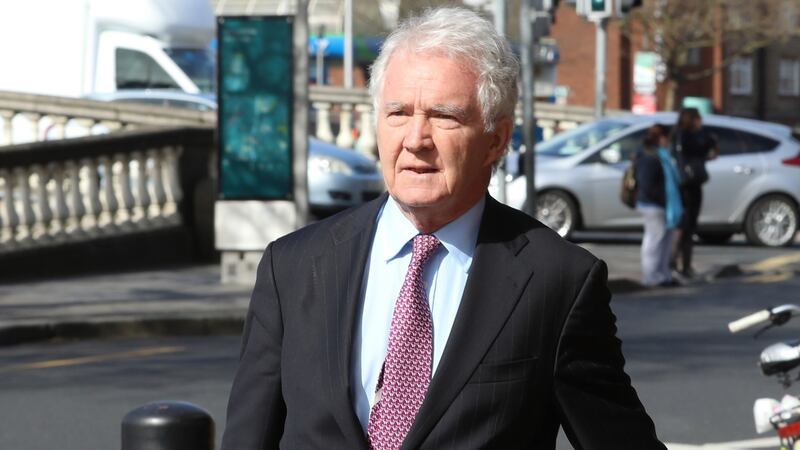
329	164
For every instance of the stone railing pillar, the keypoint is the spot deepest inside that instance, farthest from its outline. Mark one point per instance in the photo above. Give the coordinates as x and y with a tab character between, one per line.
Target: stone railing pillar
7	137
43	214
75	208
345	137
90	220
34	119
108	200
323	131
367	142
141	197
8	209
158	196
60	212
59	127
172	184
123	190
25	206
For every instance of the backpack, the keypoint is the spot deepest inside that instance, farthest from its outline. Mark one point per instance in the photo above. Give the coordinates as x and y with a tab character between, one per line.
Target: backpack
627	193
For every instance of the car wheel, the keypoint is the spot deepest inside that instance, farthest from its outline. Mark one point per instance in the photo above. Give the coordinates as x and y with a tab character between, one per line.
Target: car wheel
715	238
557	210
772	221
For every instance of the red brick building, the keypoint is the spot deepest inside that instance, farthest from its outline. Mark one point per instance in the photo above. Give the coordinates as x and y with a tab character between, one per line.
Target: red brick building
765	85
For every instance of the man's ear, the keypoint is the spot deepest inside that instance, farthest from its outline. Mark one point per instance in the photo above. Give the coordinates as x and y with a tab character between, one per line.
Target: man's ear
500	138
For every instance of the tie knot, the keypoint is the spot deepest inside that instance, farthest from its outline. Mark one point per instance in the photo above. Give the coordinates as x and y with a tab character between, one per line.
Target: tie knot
423	247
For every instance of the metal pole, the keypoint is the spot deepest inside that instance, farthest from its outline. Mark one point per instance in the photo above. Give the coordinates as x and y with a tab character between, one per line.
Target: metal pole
500	26
300	126
528	121
322	44
600	69
348	44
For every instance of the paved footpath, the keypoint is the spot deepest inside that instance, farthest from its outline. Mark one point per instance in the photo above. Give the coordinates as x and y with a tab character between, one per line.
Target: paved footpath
191	300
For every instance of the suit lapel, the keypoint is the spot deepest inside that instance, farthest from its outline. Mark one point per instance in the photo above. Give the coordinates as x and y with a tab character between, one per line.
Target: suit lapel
339	273
493	289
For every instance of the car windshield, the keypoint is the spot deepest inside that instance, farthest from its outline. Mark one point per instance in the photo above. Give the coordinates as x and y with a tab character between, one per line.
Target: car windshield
198	65
577	139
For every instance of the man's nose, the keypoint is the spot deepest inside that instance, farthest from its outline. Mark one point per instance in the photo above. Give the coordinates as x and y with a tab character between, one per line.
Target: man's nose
418	134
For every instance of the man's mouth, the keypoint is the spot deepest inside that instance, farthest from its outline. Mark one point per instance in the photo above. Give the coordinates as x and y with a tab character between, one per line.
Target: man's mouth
421	170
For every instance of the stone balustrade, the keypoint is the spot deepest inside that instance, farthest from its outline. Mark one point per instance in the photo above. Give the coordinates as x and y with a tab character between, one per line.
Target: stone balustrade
346	117
33	118
86	188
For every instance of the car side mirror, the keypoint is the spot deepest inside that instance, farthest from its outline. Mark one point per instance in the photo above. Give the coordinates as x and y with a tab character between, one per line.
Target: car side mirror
611	155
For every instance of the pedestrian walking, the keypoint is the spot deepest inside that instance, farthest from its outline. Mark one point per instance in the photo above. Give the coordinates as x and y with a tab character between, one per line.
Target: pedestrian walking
658	201
434	317
692	146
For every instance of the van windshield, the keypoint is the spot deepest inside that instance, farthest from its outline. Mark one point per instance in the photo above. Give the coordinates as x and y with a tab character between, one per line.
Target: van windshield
580	138
198	65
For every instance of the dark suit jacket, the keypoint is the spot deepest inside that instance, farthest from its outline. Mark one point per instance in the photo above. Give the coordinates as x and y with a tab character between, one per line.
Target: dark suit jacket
533	347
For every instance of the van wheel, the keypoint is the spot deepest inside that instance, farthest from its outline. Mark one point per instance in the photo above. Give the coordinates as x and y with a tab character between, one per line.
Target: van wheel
772	221
557	210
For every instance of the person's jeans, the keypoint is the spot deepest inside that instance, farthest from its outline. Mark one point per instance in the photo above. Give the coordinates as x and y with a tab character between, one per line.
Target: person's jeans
656	246
692	197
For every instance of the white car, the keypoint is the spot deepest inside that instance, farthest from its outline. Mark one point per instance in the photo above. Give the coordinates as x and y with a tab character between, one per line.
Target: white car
754	184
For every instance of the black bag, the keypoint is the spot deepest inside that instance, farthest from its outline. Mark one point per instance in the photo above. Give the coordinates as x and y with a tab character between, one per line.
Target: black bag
629	187
693	172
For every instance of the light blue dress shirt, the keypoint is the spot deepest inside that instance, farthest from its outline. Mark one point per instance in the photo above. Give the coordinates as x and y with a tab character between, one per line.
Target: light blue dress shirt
445	276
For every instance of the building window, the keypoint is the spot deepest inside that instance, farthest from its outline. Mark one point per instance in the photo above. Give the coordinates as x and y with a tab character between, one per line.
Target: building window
693	57
741	76
789	77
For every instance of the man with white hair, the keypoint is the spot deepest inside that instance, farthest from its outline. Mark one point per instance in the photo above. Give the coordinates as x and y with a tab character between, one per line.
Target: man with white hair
434	317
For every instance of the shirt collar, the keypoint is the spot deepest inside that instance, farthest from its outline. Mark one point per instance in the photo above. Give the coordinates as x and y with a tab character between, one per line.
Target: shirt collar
458	237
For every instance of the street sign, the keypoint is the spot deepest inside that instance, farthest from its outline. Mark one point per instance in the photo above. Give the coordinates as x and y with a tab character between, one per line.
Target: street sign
256	70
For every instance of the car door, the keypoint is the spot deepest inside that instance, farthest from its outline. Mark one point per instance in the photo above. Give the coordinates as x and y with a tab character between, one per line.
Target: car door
604	169
729	175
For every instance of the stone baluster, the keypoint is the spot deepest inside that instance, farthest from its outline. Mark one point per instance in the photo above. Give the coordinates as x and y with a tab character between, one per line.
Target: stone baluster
323	132
60	212
123	190
44	215
345	137
8	130
108	199
34	119
141	197
172	183
25	206
75	200
367	143
90	220
8	209
59	127
158	196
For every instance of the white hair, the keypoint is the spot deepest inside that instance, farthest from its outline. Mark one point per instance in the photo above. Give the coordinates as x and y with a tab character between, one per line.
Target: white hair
458	33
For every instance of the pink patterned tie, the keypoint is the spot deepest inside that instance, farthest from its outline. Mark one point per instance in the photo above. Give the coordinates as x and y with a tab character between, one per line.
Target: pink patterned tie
407	369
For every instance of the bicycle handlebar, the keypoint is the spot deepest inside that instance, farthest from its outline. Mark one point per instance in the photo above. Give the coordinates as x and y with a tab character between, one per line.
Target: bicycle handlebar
749	321
777	316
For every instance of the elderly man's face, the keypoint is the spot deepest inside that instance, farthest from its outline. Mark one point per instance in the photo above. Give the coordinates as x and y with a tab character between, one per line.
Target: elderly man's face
433	148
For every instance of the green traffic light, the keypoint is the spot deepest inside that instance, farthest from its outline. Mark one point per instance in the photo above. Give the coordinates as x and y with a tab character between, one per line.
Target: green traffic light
598	5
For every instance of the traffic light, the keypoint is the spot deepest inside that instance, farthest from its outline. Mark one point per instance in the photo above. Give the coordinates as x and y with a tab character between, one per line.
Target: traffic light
595	9
599	6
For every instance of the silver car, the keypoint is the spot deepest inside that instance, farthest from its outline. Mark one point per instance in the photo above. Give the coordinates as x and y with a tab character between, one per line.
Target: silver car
754	184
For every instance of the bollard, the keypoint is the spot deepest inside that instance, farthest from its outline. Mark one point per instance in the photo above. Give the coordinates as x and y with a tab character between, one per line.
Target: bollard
168	425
